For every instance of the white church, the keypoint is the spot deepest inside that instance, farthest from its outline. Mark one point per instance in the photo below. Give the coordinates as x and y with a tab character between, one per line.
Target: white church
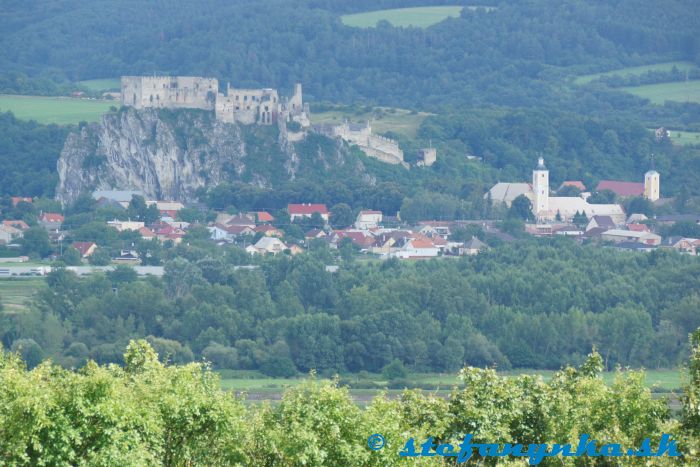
546	207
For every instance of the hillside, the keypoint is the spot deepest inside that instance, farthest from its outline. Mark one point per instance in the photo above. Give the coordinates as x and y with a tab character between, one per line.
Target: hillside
172	154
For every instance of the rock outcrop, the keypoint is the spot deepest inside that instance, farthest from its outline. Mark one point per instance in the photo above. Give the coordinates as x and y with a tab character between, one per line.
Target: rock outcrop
170	154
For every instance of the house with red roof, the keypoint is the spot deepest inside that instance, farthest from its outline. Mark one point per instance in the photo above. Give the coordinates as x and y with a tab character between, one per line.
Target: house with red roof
85	248
51	220
417	248
298	211
261	217
18	199
146	233
622	189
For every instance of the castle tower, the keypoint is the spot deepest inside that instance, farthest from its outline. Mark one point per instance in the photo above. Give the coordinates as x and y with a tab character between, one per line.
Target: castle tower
651	185
540	187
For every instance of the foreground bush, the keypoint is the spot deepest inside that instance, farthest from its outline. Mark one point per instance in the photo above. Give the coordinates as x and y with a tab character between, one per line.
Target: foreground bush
150	413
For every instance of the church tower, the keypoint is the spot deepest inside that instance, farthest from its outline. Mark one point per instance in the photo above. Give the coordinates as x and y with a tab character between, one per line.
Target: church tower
540	187
651	185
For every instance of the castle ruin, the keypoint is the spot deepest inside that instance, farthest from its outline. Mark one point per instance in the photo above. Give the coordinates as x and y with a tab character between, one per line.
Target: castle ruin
376	146
246	106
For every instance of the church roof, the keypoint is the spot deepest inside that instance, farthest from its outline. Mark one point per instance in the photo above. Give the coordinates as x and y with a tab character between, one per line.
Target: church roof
507	192
621	188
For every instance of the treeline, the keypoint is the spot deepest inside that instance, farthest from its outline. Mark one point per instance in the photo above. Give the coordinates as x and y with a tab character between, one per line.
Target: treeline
530	306
148	413
28	155
512	56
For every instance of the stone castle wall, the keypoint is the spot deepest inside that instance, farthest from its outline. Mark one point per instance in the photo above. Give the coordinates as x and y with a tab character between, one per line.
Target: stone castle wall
246	106
169	92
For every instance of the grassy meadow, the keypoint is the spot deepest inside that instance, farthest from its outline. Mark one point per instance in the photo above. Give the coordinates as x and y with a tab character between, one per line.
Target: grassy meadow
14	293
59	110
637	70
383	119
420	17
260	388
681	91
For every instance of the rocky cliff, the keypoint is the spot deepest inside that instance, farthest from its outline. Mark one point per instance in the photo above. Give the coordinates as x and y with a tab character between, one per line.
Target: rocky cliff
170	154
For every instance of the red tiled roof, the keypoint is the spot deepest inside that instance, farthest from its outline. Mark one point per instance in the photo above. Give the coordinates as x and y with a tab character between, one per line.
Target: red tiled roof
19	199
422	243
621	188
262	216
83	247
146	232
307	209
265	228
638	228
51	217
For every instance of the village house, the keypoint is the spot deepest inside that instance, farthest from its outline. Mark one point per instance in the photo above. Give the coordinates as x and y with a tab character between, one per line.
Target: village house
146	233
298	211
606	222
272	245
17	224
85	249
122	226
368	220
51	220
473	247
619	235
689	246
127	257
417	248
18	199
7	234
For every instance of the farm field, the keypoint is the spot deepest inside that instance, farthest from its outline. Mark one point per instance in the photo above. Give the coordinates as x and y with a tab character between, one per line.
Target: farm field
382	119
59	110
421	17
15	292
685	138
637	70
107	84
683	91
262	388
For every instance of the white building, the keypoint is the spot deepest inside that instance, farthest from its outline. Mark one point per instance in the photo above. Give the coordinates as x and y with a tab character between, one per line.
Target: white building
540	187
368	220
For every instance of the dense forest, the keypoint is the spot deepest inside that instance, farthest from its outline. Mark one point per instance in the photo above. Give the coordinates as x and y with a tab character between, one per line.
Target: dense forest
518	55
148	413
532	305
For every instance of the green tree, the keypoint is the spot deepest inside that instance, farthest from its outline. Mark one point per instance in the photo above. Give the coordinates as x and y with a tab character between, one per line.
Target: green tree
341	216
72	257
35	242
521	208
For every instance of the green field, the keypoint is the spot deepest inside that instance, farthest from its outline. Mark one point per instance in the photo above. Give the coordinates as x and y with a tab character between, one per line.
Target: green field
683	91
637	70
421	17
107	84
382	119
60	110
264	388
685	138
14	293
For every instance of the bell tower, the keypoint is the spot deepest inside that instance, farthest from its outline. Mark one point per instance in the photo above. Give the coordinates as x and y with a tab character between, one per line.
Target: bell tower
540	188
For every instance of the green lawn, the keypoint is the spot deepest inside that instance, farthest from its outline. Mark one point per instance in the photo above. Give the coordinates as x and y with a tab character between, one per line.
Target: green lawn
637	70
382	119
15	292
682	91
421	17
107	84
60	110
